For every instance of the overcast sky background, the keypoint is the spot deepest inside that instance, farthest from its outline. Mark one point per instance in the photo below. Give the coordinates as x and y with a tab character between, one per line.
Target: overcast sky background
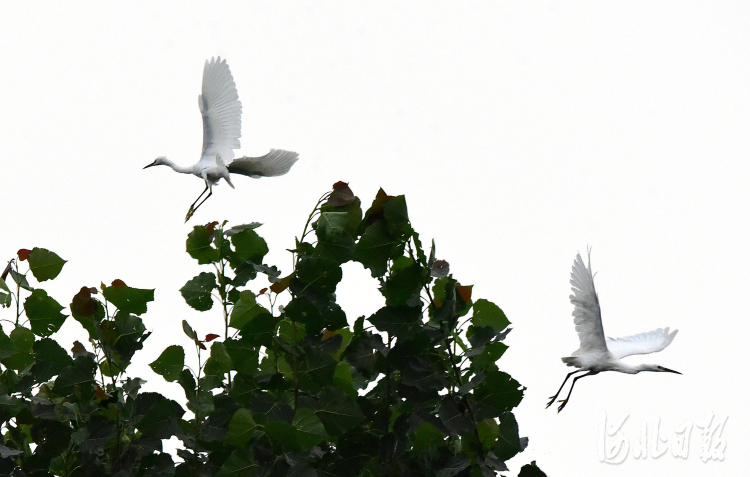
520	134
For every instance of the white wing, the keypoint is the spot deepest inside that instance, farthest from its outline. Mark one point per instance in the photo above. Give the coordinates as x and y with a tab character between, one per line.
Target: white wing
275	163
587	315
221	110
644	343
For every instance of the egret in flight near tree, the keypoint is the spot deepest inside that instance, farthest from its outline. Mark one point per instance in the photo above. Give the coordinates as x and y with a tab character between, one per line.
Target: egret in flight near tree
221	110
598	353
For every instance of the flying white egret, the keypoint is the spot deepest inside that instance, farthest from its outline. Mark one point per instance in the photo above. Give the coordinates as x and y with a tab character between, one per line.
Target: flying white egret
221	110
597	353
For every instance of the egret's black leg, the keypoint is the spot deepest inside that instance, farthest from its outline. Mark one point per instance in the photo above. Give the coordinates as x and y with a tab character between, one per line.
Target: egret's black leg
552	399
210	191
192	209
565	401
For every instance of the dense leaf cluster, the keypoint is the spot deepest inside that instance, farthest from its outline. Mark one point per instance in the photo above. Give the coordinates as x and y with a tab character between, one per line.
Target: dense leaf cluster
299	389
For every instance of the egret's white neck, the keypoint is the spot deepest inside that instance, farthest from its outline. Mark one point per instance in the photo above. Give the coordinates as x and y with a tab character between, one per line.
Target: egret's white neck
626	368
163	161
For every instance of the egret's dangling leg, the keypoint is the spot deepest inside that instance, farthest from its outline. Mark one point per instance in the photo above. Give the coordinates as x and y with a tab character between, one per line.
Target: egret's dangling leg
193	208
552	399
565	401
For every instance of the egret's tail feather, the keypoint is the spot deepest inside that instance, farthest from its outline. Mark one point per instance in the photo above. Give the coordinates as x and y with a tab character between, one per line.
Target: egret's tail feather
571	361
275	163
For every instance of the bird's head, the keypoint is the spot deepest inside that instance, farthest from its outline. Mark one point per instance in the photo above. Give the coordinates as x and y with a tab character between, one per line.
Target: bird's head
161	160
658	369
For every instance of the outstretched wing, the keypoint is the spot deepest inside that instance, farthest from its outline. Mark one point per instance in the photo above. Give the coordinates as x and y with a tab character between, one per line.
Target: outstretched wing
587	315
275	163
644	343
221	110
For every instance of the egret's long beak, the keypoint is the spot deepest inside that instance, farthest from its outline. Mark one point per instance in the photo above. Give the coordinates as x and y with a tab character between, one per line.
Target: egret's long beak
152	164
669	370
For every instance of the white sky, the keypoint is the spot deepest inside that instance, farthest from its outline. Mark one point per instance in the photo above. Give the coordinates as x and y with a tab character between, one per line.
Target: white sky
520	133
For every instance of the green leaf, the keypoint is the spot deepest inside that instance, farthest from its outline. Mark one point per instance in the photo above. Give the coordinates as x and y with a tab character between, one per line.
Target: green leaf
5	296
43	313
22	340
337	412
245	310
531	470
198	245
259	330
6	452
244	355
239	464
455	465
400	321
508	443
170	363
487	313
7	348
188	330
51	359
316	369
334	241
420	373
403	286
219	363
45	265
248	245
453	418
80	373
161	421
374	248
396	214
20	280
426	438
321	274
497	393
129	300
352	209
239	228
197	291
187	382
489	355
304	433
309	429
302	310
241	428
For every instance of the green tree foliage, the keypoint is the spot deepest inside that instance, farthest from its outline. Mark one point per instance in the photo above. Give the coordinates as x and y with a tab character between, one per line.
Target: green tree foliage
299	389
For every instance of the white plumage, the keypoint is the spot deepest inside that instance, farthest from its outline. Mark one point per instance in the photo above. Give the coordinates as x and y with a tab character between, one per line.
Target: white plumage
221	110
597	353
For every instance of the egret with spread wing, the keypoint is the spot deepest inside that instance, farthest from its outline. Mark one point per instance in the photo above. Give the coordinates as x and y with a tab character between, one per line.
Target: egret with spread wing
221	110
597	353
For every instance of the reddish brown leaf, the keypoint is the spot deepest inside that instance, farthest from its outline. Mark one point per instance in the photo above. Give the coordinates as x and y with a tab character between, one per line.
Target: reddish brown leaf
262	291
23	254
210	227
102	286
341	194
79	350
381	194
101	395
327	335
82	303
201	345
465	292
118	283
210	337
282	284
